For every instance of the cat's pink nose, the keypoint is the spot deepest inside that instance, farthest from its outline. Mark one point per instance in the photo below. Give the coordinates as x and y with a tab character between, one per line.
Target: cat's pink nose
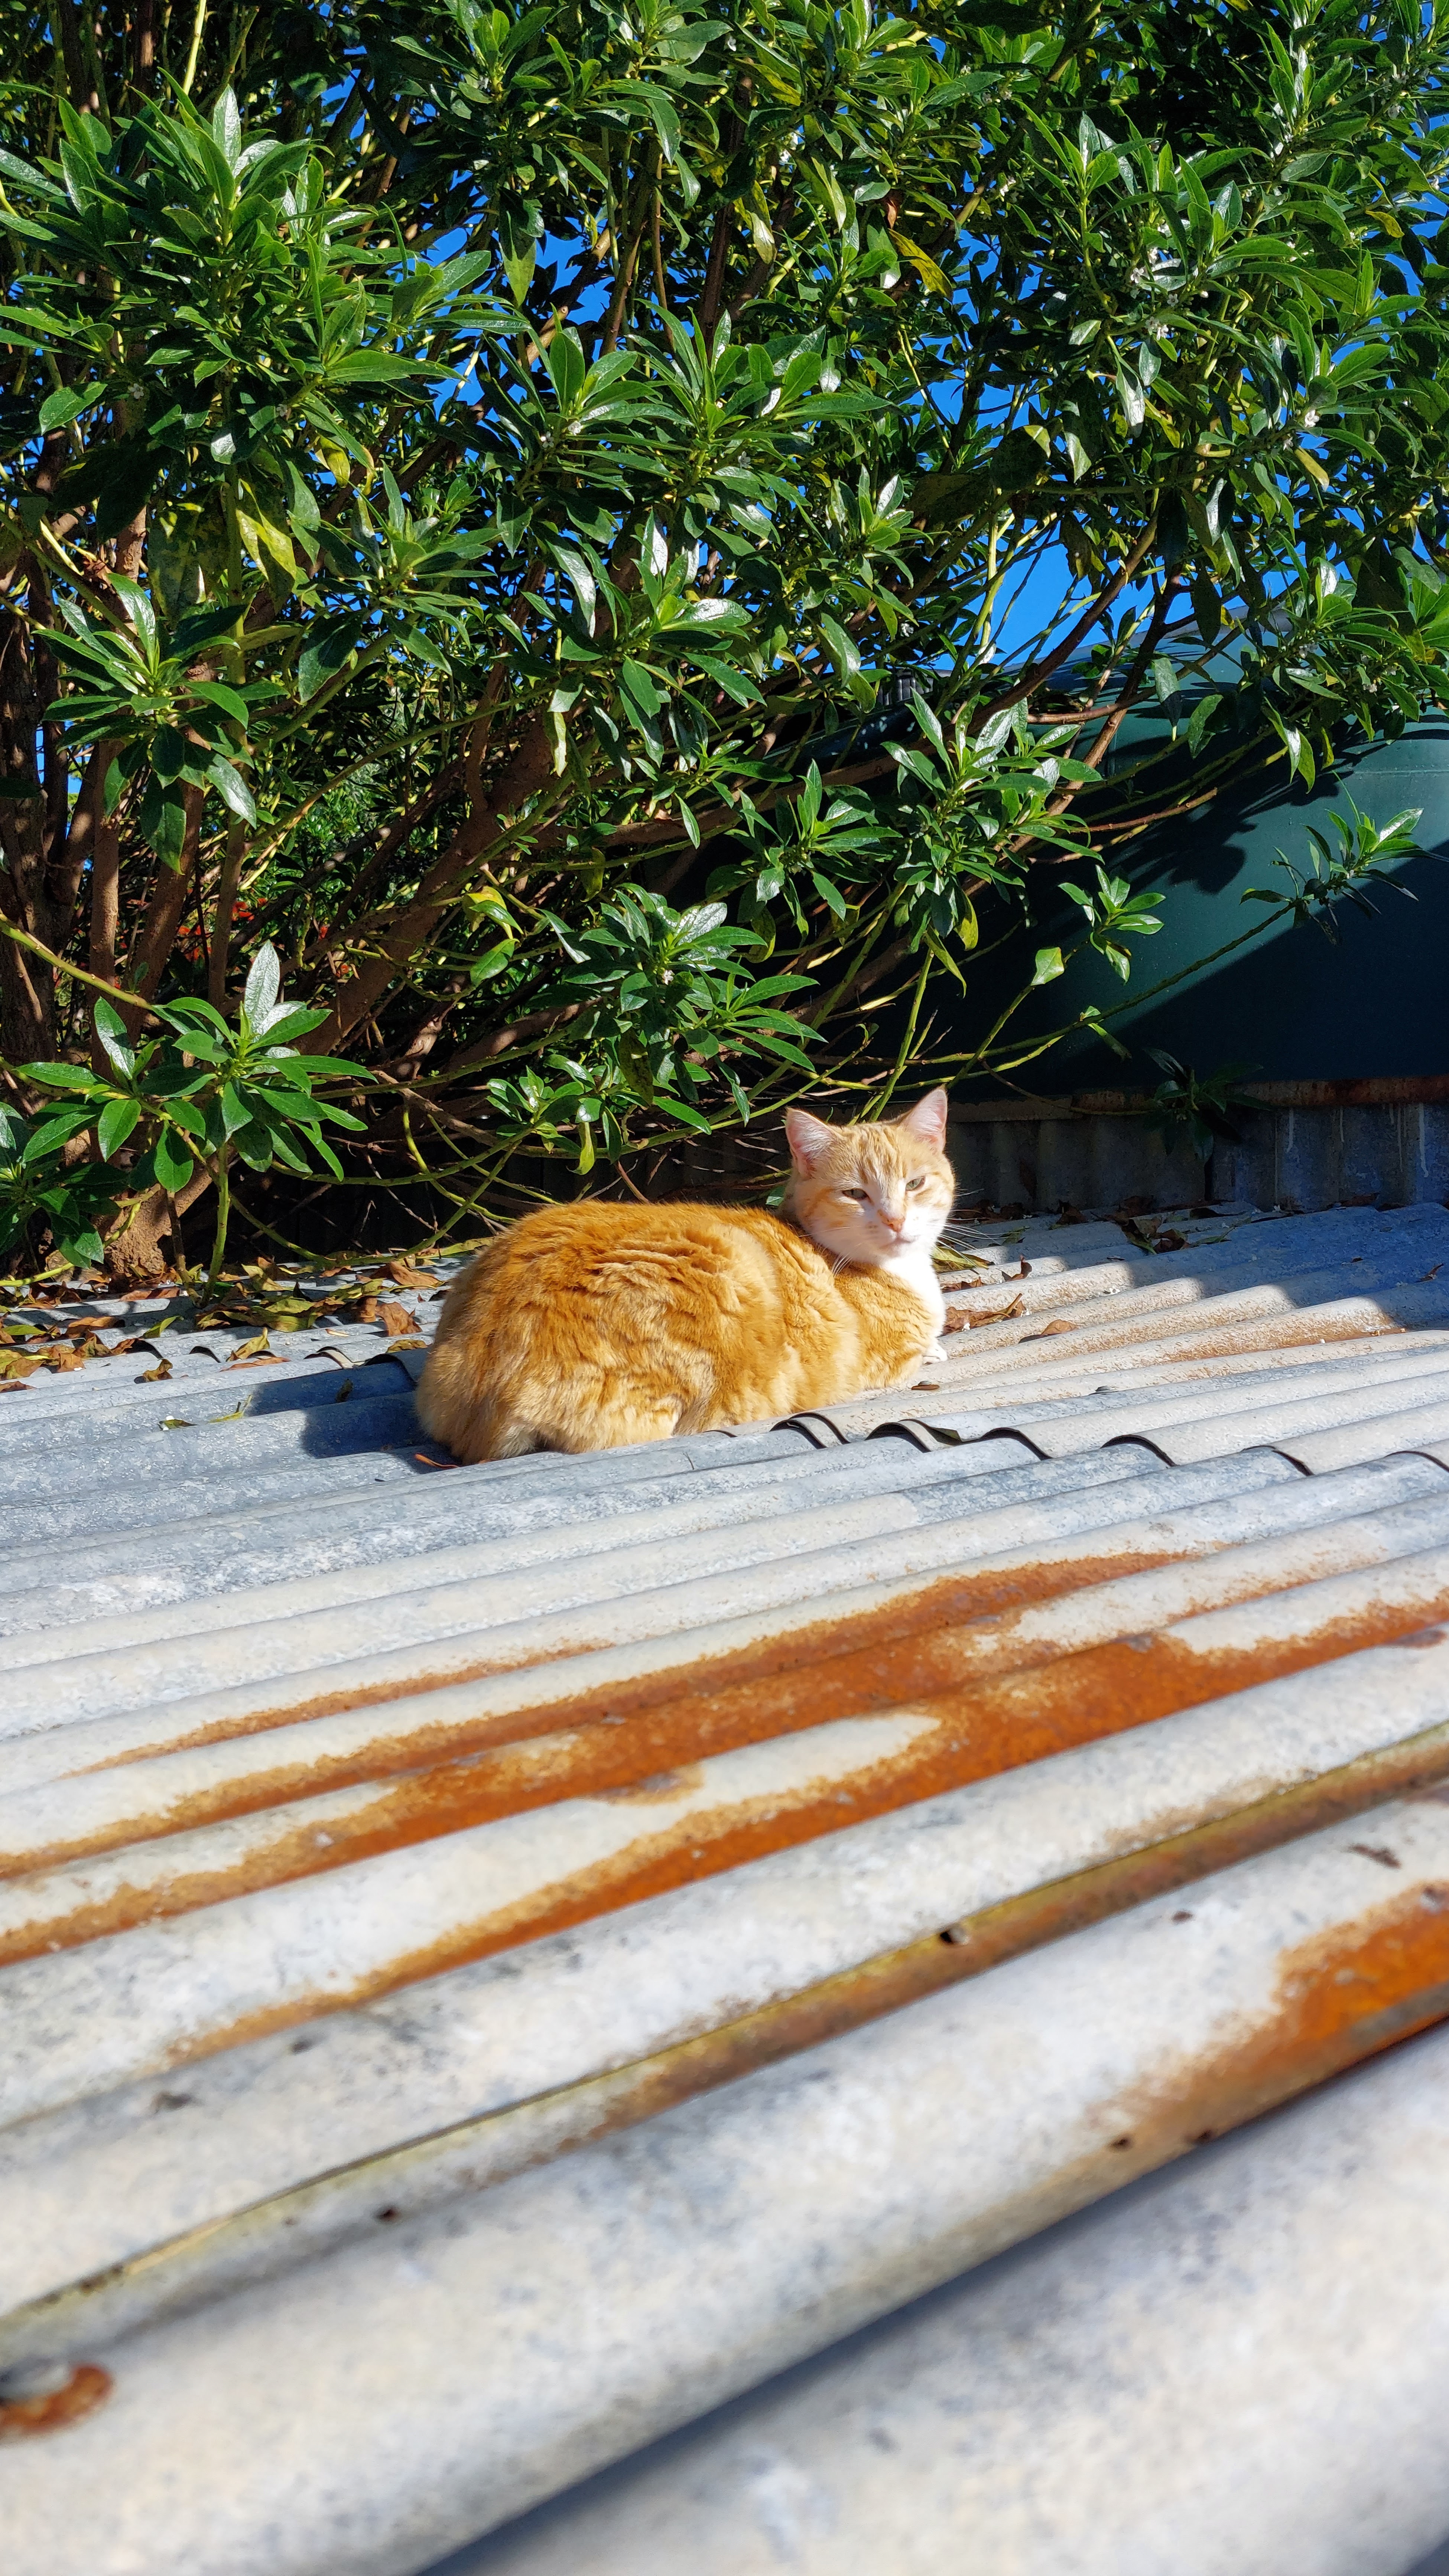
893	1222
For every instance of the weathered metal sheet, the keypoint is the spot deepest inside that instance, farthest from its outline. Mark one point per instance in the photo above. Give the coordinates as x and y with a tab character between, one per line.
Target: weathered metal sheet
467	1589
950	1693
1059	1547
230	1552
822	1934
1080	1369
1236	2369
442	2373
358	1892
1178	1421
683	1901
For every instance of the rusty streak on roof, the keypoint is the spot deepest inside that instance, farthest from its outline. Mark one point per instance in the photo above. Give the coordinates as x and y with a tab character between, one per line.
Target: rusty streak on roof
496	1961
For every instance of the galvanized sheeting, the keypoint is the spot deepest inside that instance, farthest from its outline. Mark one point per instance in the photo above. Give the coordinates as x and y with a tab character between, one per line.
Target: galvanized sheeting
134	1992
446	2370
496	1960
1238	2368
229	1551
442	2061
296	1628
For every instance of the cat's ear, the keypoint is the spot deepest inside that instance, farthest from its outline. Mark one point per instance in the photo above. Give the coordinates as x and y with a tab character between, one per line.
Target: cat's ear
928	1119
807	1138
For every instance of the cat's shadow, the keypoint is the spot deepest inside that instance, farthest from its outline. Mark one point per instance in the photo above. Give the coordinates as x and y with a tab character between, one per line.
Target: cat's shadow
369	1409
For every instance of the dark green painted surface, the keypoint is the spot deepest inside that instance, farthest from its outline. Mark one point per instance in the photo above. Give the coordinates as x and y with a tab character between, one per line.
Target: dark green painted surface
1292	1006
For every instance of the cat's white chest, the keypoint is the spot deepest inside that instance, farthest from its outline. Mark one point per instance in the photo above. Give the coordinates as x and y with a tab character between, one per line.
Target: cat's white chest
915	1268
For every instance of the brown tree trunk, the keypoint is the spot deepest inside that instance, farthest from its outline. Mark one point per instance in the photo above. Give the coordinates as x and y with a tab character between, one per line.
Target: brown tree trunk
27	685
164	913
45	843
77	77
133	1247
399	937
105	906
370	874
219	958
133	1251
27	1001
143	53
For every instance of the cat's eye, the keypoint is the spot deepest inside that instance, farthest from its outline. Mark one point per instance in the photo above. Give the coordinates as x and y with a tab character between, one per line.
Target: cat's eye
918	1183
855	1194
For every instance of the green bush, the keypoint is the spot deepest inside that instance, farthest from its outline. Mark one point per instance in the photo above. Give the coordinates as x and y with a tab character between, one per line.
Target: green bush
484	489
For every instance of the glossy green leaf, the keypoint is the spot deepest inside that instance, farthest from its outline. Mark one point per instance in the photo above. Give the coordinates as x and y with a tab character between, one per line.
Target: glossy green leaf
173	1165
117	1121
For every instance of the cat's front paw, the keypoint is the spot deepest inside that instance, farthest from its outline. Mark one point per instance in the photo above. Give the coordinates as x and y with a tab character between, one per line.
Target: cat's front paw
934	1355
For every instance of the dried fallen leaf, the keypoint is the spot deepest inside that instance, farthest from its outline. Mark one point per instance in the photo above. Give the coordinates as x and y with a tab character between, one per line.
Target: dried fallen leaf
367	1311
395	1318
407	1277
1058	1324
999	1314
408	1342
254	1348
63	1359
148	1377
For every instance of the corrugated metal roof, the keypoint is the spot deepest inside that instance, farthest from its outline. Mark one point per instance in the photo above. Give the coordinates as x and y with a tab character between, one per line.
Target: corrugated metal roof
498	1961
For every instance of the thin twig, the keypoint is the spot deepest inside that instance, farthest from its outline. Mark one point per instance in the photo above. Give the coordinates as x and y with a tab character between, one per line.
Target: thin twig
197	24
63	966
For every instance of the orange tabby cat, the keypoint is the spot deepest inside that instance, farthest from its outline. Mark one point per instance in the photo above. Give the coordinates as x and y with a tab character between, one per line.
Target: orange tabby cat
592	1326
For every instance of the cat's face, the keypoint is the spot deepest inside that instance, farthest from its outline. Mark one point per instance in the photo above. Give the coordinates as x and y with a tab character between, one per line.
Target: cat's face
871	1192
